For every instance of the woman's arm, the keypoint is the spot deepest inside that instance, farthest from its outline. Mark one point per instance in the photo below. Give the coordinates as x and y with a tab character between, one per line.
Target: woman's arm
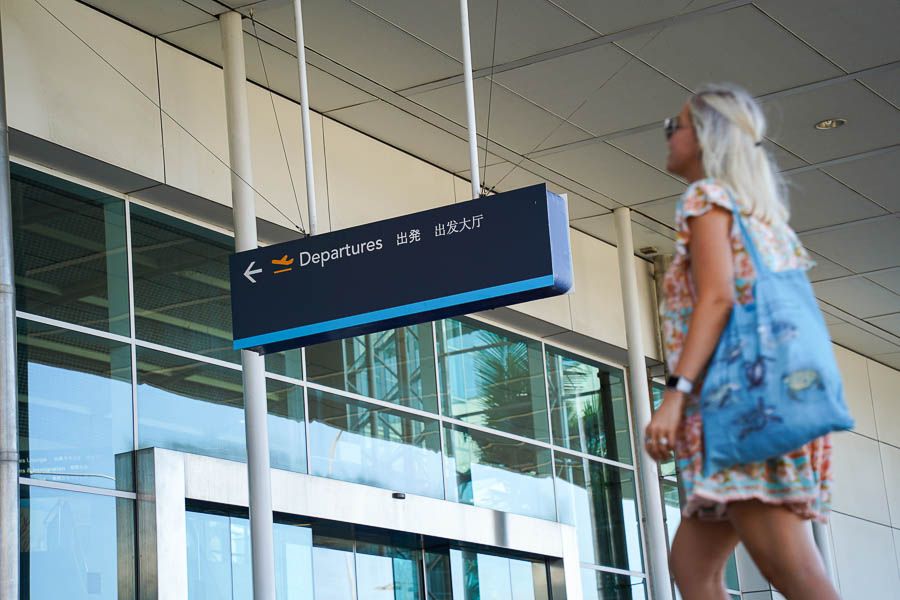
713	275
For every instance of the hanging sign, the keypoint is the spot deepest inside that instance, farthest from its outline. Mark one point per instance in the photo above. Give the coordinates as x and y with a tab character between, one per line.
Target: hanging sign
471	256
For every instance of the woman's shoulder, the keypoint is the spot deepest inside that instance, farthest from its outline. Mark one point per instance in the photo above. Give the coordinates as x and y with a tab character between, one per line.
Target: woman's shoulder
701	196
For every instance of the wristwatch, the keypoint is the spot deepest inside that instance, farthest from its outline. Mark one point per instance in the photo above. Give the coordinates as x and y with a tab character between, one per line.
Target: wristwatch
680	384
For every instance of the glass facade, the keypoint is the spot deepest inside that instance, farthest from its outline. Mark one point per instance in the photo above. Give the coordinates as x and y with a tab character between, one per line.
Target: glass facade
454	410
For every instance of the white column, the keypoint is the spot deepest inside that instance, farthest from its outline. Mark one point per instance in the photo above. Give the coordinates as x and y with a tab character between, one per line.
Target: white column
304	115
639	388
244	211
9	430
470	97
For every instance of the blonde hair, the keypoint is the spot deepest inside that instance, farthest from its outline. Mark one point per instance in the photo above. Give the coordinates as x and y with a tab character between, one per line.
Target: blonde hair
730	127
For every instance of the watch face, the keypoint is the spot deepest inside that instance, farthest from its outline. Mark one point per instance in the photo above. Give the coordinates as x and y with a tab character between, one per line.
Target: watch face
672	381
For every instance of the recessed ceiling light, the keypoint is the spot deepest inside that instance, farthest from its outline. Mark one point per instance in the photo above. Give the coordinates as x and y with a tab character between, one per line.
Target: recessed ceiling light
832	123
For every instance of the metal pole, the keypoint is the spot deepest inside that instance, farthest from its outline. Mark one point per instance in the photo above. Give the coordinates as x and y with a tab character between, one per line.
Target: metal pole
655	529
9	434
244	211
470	96
822	537
304	114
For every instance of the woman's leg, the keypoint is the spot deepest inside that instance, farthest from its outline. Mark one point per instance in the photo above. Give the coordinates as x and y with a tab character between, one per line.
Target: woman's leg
782	546
699	554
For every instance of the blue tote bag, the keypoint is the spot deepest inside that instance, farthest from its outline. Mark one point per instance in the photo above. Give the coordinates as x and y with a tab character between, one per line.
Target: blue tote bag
772	384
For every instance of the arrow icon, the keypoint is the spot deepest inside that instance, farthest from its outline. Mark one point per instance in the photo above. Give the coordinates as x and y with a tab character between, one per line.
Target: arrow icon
250	273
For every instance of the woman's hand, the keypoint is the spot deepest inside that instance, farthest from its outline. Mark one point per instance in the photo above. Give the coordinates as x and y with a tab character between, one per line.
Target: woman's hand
659	438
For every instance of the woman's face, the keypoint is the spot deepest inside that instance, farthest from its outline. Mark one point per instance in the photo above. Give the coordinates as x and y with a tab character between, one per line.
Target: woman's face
684	149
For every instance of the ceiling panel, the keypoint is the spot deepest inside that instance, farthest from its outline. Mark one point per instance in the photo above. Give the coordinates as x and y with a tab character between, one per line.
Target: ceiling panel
326	92
660	210
740	45
889	278
551	84
407	132
506	176
817	200
524	27
154	17
604	228
612	173
877	178
890	323
610	17
851	336
855	35
635	96
825	269
871	122
858	296
514	122
886	84
891	360
881	249
359	40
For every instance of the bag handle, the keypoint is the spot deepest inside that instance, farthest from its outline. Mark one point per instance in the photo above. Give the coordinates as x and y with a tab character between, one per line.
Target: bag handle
758	263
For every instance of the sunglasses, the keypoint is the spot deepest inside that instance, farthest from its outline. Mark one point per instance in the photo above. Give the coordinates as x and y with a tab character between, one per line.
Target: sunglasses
670	126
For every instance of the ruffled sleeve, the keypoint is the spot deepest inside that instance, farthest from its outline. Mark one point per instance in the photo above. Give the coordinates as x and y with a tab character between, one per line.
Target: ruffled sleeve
698	200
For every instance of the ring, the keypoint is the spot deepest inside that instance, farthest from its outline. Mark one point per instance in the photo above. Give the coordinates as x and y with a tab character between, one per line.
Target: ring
664	441
651	441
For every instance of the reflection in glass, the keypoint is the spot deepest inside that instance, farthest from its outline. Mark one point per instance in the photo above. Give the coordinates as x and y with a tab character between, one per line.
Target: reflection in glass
70	259
189	406
197	407
588	406
600	501
672	508
599	585
495	472
364	443
76	546
287	426
288	363
219	561
208	556
334	570
387	572
667	468
181	284
75	409
492	378
396	366
468	575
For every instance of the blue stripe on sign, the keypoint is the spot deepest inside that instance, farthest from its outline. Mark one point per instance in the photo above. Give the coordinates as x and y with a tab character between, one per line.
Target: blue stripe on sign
397	311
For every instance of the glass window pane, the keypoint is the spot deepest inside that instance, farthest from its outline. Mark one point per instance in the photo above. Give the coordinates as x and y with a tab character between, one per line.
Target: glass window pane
364	443
76	546
181	284
599	585
478	576
287	426
189	406
672	507
495	472
208	556
333	566
396	366
75	407
731	574
600	501
288	363
70	258
387	572
293	562
588	406
492	378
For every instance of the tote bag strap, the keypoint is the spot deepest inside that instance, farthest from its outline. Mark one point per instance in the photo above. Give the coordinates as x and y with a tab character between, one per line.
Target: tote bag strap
758	263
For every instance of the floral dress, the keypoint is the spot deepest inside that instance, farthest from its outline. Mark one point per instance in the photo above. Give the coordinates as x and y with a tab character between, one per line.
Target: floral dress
800	480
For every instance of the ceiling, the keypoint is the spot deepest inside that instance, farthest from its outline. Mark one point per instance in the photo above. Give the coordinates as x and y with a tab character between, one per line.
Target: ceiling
572	92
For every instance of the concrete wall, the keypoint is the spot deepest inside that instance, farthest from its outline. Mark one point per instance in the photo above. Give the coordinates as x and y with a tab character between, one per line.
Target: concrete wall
62	92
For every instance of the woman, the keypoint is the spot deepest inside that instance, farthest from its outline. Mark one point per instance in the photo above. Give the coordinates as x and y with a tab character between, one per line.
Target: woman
715	144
